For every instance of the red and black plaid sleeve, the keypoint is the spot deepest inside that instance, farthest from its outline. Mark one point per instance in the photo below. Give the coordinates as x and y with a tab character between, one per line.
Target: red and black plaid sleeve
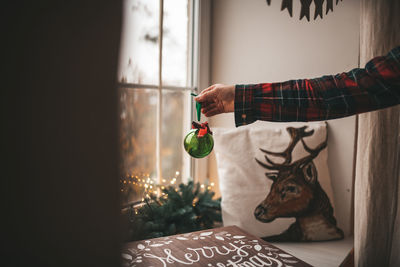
374	87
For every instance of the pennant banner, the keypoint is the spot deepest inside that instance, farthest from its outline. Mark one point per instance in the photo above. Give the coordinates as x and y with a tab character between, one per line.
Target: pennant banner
305	7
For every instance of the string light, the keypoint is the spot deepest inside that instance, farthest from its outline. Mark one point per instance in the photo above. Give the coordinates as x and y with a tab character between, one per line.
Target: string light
148	186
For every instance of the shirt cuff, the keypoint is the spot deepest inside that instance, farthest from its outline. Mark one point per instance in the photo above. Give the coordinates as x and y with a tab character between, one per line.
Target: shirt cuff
244	100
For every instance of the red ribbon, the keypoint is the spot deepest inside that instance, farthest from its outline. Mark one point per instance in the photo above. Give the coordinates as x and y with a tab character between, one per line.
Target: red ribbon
203	128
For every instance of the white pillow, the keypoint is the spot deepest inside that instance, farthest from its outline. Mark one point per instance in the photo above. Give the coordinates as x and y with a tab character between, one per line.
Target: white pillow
243	182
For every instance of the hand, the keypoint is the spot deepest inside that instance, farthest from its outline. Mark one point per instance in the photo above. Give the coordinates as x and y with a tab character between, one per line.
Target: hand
216	99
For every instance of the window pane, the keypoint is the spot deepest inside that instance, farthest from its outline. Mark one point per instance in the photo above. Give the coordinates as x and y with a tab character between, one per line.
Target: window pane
138	109
139	42
175	42
175	125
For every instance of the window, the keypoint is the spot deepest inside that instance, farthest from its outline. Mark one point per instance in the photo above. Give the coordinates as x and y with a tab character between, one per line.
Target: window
154	115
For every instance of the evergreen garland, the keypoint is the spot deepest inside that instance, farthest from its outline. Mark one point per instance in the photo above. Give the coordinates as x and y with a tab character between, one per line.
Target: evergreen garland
180	210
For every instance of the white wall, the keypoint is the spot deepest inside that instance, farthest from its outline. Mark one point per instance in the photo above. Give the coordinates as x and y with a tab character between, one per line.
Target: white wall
253	42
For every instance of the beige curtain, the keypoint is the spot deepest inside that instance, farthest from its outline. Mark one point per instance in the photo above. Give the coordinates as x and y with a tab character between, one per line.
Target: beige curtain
377	225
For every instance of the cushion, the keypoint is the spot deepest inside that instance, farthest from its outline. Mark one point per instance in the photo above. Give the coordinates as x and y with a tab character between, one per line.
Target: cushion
281	197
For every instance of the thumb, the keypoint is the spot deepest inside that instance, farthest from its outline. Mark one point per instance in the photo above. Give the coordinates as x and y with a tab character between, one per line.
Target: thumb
205	97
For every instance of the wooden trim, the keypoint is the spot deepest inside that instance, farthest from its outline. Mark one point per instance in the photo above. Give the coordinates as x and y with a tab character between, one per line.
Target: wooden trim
202	72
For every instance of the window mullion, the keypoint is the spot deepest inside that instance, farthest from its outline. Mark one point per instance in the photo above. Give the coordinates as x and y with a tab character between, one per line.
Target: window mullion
159	106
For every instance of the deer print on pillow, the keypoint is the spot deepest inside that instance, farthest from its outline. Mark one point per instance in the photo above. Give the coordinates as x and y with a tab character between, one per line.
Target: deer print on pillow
296	192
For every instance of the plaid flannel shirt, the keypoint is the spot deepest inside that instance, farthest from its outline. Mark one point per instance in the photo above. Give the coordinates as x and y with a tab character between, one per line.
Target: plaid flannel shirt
375	87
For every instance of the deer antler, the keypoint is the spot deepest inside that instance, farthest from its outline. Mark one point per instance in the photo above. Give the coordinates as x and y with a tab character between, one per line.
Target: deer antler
313	152
296	135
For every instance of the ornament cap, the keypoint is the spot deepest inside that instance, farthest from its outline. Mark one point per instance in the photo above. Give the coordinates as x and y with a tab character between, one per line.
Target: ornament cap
203	128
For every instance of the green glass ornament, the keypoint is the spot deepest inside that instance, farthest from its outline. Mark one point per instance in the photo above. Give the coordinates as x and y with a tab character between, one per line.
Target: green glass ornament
198	147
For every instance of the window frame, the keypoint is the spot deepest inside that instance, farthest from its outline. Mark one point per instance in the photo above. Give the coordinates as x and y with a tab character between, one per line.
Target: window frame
198	77
200	167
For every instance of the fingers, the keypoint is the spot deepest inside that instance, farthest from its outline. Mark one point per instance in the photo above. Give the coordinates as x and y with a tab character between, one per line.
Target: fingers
205	97
212	112
207	107
206	94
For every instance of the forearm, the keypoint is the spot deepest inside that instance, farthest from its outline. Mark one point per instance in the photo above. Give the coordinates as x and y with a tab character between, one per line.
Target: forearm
329	97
